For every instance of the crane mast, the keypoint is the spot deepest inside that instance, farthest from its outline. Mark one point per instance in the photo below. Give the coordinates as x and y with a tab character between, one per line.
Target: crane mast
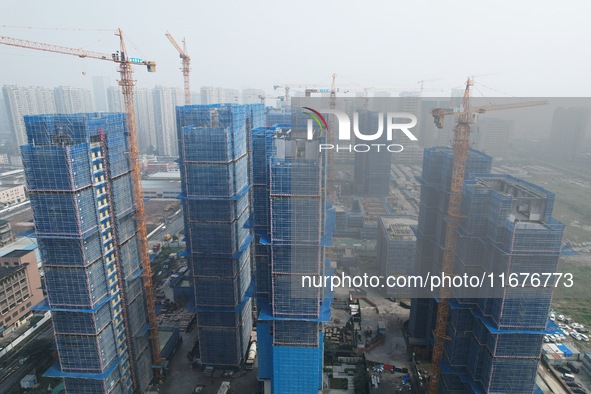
186	62
127	84
461	144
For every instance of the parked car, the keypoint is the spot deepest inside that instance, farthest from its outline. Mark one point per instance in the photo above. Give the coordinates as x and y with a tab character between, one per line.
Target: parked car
572	367
562	369
574	384
578	390
568	377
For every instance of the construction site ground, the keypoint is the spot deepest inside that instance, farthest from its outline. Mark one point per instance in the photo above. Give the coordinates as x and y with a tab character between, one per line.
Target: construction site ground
183	378
21	220
157	210
393	350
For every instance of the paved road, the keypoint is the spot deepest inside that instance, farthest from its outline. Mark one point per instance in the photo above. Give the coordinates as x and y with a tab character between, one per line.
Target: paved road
174	226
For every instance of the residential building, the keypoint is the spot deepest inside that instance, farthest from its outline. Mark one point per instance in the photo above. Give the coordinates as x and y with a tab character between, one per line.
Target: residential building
215	193
20	288
211	95
493	136
145	120
165	101
567	132
293	225
507	227
231	96
396	247
372	168
252	96
80	187
69	100
99	92
22	101
115	99
12	194
6	236
144	115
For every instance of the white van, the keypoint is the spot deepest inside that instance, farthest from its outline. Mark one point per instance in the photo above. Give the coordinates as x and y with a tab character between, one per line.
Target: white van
569	377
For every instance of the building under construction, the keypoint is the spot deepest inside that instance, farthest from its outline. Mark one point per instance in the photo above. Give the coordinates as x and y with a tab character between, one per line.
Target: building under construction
215	168
506	226
80	185
293	226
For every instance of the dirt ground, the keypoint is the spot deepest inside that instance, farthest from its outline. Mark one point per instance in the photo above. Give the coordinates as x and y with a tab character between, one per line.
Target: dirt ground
157	210
182	377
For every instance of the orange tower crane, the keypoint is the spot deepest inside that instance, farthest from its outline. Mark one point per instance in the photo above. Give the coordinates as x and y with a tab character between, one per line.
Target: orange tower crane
186	61
461	143
127	84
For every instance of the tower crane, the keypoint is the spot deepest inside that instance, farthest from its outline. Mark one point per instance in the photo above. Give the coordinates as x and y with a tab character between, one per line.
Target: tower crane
309	89
422	84
461	144
186	61
127	84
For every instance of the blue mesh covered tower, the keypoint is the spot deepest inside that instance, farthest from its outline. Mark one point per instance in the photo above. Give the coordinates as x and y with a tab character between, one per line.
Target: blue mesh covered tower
291	217
216	193
79	183
507	227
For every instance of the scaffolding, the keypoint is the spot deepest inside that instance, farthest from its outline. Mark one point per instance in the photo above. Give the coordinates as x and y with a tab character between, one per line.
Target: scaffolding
214	146
79	183
507	227
290	215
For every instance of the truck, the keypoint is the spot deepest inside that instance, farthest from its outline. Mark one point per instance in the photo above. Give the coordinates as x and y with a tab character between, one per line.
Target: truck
252	354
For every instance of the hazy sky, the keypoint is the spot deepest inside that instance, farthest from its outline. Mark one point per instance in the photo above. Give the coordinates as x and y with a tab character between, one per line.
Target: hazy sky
531	48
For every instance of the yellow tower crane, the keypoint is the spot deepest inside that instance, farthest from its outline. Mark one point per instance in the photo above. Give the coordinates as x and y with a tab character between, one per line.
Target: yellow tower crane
461	143
186	61
127	84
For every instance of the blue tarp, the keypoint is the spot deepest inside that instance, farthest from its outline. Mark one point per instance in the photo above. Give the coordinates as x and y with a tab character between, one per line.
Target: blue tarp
565	350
